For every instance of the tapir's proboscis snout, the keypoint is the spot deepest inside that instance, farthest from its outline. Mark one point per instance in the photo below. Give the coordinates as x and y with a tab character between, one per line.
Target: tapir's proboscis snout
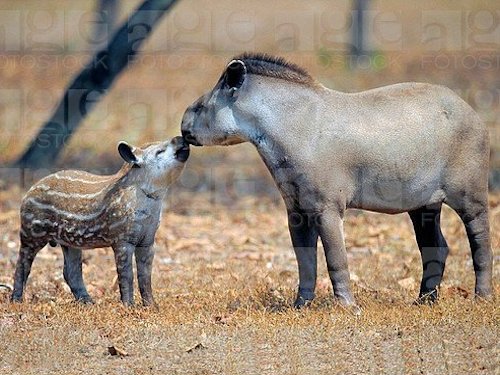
190	138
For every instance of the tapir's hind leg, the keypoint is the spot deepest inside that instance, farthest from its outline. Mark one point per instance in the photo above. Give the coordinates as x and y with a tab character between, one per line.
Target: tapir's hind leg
473	210
27	254
433	250
73	274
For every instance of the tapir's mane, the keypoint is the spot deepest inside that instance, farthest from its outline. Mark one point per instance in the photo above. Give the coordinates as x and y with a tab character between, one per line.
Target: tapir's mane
276	67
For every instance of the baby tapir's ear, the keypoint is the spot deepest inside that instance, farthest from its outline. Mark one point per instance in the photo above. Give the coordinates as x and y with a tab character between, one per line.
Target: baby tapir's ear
128	153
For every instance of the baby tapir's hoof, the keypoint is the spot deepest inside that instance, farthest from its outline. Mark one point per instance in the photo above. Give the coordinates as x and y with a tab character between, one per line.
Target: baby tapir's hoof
15	298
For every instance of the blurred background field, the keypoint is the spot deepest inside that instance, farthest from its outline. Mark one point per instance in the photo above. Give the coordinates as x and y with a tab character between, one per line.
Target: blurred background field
225	273
450	43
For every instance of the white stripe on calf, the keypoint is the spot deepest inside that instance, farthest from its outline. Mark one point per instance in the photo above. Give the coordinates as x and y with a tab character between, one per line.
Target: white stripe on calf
49	191
50	207
76	179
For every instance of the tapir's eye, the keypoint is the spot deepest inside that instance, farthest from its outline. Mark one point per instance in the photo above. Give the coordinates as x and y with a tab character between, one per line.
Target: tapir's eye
159	152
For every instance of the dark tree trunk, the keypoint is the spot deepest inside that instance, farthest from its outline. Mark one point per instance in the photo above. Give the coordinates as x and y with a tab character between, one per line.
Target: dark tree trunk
107	11
357	43
91	84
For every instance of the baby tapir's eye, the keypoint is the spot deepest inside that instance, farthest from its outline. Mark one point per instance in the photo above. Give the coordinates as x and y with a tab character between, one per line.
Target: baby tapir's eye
199	106
159	152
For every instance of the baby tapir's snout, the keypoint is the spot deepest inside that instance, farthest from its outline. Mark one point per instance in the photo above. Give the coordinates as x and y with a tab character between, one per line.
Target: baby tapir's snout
181	147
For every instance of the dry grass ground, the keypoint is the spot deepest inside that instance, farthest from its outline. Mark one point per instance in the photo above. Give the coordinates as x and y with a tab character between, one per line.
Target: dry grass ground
225	274
225	278
192	45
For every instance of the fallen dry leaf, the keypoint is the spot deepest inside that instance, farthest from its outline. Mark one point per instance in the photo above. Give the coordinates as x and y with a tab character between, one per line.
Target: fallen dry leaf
6	322
116	351
222	319
196	347
185	244
240	240
248	255
361	242
407	283
217	266
456	290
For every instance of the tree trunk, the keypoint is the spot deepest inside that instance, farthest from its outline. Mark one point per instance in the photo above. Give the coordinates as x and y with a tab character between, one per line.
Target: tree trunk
91	84
107	11
357	38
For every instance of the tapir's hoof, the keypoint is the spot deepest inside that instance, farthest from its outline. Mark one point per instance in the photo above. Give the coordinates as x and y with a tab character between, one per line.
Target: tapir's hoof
301	303
14	298
354	310
86	300
304	298
427	298
348	304
484	292
149	302
484	297
128	304
151	306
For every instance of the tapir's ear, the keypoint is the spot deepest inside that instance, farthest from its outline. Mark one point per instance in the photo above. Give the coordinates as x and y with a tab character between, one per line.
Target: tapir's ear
235	74
128	153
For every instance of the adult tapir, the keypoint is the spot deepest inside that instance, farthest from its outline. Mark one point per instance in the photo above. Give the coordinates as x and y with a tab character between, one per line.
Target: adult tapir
408	147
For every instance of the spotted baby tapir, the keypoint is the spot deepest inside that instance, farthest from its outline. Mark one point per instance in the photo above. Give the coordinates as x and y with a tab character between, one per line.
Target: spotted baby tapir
79	210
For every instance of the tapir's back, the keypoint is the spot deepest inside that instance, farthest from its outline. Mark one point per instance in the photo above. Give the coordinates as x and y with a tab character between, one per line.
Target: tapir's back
74	207
412	139
69	191
411	112
407	123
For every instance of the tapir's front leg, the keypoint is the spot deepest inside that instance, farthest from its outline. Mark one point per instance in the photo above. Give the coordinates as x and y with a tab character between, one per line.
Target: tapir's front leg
305	241
144	259
124	252
73	274
331	231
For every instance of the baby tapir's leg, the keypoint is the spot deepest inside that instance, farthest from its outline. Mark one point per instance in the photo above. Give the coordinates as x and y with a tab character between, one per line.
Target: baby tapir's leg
433	249
27	252
124	252
144	260
73	274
